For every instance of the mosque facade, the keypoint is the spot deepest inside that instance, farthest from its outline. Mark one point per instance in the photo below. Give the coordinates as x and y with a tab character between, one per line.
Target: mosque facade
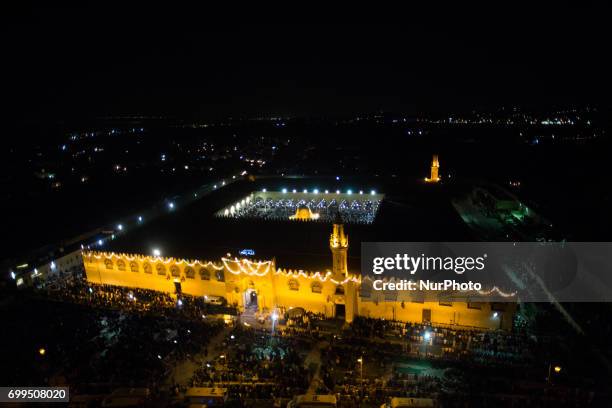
263	286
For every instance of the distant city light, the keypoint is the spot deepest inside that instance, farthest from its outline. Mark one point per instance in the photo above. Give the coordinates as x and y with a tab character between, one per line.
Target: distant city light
305	191
156	252
215	186
284	191
373	192
361	192
337	191
180	302
263	190
171	205
349	192
495	314
13	276
294	190
316	191
337	178
427	336
42	351
120	227
52	265
100	242
139	218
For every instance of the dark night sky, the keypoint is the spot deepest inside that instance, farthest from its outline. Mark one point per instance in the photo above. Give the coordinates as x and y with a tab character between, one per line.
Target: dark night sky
76	63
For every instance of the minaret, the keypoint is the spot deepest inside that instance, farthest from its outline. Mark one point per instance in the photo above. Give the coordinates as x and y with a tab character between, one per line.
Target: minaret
435	167
338	244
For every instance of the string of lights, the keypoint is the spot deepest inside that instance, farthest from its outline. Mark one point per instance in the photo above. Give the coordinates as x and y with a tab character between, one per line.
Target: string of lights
235	266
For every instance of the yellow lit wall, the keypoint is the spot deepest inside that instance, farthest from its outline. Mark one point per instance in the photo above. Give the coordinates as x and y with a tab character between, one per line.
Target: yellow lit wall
276	288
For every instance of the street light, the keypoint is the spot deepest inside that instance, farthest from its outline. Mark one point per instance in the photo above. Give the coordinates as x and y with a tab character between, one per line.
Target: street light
274	318
360	361
426	339
557	370
156	252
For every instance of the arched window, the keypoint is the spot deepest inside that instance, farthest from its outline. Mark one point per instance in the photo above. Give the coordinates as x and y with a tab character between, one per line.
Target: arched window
133	266
121	265
160	268
108	263
221	276
316	287
204	274
294	284
147	267
189	272
174	270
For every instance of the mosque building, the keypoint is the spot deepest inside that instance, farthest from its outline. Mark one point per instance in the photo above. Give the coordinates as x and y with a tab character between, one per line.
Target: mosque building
265	287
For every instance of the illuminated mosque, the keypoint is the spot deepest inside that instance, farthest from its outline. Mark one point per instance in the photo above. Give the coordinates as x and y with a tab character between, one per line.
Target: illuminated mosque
264	286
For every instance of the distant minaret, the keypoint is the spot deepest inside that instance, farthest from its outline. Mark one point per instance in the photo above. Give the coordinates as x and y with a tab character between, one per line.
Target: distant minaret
435	167
338	244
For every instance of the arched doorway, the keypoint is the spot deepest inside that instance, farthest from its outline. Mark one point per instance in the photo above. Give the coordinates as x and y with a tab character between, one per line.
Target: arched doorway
340	312
250	299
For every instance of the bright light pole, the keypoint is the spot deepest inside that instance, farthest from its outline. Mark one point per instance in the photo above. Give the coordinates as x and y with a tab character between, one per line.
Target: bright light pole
426	338
274	318
557	370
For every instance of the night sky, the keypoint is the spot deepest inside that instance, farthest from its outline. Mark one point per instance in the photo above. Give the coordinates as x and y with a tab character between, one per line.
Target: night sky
75	63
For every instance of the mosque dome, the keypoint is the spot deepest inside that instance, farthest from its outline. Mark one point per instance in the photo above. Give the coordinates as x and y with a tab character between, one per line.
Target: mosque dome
304	213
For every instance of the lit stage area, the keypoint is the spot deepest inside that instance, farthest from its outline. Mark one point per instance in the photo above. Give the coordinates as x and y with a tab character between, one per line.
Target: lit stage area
354	207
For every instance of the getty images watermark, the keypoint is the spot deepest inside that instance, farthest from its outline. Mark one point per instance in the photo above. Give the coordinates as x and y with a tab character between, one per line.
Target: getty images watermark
491	271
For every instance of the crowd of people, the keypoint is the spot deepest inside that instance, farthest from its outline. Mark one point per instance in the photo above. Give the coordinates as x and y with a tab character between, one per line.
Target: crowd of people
448	342
356	211
134	337
95	350
136	300
256	364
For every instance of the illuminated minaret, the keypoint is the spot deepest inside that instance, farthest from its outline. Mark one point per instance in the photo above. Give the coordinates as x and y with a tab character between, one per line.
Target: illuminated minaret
435	167
345	297
338	243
